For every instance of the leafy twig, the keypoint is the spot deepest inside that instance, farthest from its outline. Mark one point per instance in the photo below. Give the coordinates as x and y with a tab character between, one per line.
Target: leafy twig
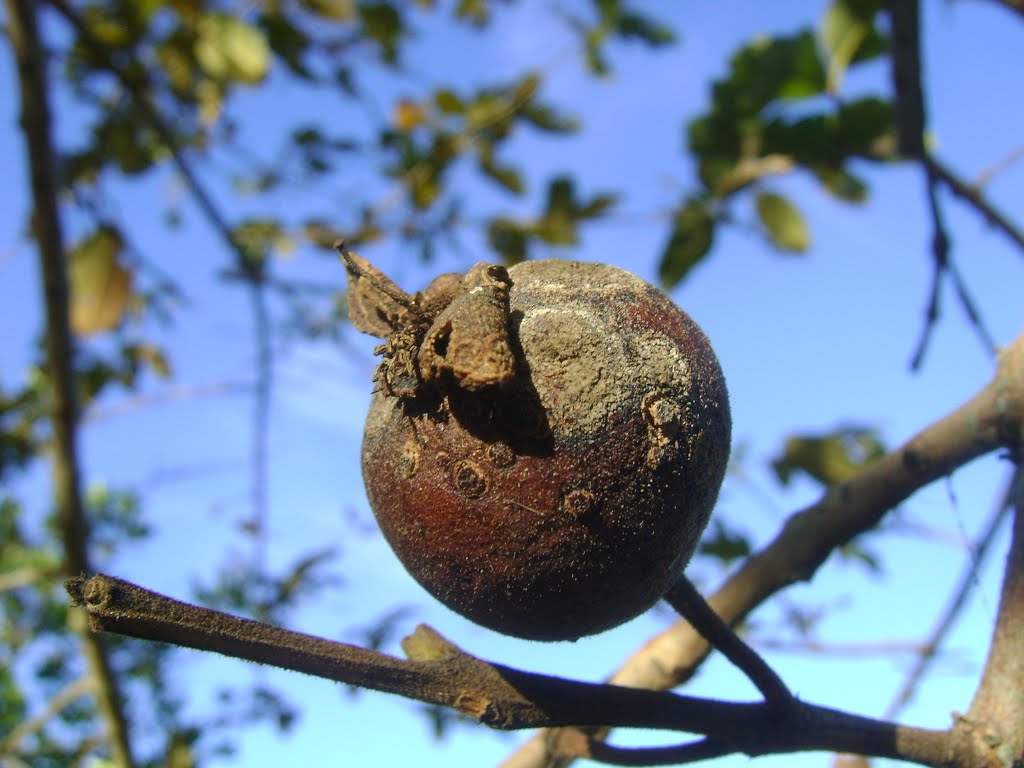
137	85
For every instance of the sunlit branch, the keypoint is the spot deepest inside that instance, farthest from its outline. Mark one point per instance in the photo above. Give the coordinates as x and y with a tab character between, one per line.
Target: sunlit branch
70	693
994	724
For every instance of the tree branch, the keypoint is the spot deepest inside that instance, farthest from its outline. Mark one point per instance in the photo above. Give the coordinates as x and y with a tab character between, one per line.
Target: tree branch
978	555
973	196
687	601
139	87
36	127
438	672
994	725
992	419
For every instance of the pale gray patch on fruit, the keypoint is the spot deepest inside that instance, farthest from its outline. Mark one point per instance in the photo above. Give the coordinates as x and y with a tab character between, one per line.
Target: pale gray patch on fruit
578	367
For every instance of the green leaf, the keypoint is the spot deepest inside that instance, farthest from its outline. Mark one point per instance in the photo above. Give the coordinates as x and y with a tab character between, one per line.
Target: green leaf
287	41
449	102
228	49
525	89
508	239
690	241
867	128
101	288
598	206
593	49
841	32
558	224
841	183
830	458
505	176
783	222
645	29
724	544
476	12
335	10
258	239
322	234
382	24
152	356
548	119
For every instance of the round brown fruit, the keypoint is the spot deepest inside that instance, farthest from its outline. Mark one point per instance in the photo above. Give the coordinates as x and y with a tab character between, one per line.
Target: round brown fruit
566	499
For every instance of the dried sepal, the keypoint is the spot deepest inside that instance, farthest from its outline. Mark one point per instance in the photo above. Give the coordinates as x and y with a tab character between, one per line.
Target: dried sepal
375	303
469	339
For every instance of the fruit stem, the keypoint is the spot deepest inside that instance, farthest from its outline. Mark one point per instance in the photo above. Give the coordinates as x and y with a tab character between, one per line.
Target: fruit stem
689	603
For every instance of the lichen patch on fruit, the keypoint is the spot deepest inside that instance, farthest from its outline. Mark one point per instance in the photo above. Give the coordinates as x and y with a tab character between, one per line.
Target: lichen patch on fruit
573	367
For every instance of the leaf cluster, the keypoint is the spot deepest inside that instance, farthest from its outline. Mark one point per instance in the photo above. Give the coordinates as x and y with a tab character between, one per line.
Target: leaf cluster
780	109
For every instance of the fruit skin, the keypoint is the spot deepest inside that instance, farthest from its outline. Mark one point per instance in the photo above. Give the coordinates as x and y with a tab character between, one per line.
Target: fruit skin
566	500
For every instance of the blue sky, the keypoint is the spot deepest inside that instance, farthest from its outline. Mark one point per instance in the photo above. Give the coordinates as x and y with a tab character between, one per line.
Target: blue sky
806	344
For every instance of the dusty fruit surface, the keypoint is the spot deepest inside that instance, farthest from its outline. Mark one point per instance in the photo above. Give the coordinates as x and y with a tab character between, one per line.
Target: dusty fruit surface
545	444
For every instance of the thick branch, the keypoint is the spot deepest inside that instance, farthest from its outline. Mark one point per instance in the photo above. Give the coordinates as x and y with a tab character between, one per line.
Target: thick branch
438	672
990	420
994	725
36	128
978	556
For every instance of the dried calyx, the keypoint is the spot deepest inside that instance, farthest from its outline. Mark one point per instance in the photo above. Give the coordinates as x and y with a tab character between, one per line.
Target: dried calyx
545	443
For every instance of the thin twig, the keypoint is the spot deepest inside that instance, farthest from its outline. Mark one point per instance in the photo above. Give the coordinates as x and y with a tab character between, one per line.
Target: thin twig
944	266
987	175
940	265
67	695
687	601
976	200
36	125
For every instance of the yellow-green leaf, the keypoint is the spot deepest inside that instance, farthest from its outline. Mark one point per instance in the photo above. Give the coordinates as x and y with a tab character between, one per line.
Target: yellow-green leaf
229	49
841	33
339	10
101	287
692	235
783	223
831	458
